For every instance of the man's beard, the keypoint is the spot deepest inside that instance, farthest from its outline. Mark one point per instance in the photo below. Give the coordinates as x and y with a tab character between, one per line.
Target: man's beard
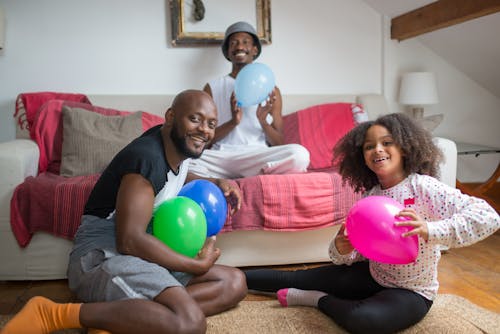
181	145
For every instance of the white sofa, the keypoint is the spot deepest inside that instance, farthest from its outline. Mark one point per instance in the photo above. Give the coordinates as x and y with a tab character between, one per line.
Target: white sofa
46	256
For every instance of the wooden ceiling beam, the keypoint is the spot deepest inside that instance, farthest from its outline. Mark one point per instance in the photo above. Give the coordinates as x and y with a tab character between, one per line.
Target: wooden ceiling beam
440	14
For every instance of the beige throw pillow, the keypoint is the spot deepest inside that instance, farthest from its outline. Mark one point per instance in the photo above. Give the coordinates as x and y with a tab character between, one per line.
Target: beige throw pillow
91	140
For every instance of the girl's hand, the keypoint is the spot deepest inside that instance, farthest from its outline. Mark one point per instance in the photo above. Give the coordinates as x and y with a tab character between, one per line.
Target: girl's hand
419	225
342	242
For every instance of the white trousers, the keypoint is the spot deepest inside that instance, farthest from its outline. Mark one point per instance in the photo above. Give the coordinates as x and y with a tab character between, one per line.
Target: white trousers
246	161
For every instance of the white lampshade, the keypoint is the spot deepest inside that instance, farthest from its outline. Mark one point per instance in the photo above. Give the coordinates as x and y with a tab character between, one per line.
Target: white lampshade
2	28
418	88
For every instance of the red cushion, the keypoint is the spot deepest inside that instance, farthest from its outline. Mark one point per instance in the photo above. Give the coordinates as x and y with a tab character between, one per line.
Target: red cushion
318	128
150	120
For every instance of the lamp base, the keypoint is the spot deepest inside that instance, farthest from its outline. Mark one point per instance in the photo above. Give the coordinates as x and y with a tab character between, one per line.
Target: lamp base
417	113
428	122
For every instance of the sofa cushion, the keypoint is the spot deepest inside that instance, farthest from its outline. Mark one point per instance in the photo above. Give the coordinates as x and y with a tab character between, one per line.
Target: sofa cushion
319	127
91	140
47	130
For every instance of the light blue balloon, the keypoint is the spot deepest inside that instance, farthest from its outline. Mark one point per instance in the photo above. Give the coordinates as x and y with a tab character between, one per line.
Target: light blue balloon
253	84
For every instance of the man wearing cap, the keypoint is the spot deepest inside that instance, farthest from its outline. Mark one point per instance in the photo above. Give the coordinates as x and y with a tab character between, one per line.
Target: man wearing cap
248	140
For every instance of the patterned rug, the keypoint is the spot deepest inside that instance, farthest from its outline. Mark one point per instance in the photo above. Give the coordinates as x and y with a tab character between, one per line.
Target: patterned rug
449	314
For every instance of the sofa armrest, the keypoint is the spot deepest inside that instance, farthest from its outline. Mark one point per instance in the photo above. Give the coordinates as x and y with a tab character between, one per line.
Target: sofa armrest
18	160
448	168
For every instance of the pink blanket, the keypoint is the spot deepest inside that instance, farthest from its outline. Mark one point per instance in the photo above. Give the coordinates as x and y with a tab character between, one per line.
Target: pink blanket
49	203
318	128
292	202
54	204
33	101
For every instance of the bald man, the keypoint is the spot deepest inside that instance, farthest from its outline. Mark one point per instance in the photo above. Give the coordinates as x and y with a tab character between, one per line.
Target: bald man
130	281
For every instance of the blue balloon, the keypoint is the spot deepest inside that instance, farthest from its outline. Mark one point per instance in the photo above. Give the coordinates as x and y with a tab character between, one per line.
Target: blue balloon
253	84
211	200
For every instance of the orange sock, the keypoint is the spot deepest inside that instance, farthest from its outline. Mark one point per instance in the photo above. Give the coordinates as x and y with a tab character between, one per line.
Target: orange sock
97	331
41	315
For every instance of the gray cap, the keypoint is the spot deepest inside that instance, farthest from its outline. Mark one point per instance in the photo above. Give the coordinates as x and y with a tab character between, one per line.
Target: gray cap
240	27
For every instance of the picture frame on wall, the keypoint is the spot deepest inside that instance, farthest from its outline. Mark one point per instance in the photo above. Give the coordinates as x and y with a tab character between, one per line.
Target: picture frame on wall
203	22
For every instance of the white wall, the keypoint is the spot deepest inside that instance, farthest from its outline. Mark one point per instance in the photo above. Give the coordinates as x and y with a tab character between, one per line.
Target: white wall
319	46
471	113
123	47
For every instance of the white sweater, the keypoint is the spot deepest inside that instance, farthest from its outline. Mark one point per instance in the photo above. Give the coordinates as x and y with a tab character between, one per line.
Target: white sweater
453	220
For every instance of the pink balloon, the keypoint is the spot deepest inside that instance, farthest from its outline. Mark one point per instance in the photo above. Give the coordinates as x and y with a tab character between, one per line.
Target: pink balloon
371	230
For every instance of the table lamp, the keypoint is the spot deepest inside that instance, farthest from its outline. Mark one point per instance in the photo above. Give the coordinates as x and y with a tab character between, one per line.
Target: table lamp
417	90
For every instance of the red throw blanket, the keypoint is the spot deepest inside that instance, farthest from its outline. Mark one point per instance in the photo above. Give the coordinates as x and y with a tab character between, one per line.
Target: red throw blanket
49	203
292	202
33	101
320	127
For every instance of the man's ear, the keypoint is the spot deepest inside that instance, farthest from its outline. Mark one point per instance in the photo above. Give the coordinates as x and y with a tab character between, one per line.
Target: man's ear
169	117
255	50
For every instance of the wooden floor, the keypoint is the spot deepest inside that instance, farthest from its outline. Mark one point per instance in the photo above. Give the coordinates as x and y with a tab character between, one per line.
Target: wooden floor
472	272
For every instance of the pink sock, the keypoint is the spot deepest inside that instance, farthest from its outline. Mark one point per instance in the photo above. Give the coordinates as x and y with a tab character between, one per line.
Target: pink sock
282	297
291	296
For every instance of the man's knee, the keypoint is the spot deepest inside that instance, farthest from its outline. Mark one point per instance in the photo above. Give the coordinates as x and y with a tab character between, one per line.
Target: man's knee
193	322
300	155
235	285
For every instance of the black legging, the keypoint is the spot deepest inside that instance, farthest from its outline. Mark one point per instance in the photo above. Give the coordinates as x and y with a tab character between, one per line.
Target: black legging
355	300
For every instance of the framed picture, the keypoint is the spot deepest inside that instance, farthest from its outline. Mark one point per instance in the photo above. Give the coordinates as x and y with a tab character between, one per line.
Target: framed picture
203	22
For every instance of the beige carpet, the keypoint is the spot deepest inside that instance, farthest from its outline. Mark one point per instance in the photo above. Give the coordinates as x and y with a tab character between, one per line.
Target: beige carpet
449	314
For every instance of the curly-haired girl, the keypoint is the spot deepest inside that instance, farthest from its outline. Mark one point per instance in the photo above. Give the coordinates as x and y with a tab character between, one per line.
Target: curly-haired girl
392	156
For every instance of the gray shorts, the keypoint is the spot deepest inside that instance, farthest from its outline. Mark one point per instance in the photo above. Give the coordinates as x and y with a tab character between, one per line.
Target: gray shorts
106	275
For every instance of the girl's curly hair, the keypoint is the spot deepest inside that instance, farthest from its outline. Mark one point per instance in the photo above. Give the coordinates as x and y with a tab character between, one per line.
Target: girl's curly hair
421	155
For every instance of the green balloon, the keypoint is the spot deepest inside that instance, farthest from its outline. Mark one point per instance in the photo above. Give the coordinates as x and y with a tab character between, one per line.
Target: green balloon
181	224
